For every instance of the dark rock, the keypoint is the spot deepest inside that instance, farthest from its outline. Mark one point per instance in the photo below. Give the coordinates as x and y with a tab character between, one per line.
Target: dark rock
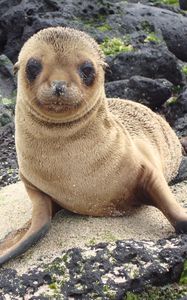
180	125
117	89
7	81
182	100
152	62
5	116
183	141
183	4
150	92
100	272
8	161
182	173
19	20
154	92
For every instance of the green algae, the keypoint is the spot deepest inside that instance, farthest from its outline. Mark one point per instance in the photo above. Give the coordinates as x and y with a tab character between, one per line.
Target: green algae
104	27
168	292
167	2
184	70
152	37
183	278
115	46
171	101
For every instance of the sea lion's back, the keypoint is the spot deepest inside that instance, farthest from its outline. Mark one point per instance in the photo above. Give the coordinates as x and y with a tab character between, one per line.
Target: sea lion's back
143	124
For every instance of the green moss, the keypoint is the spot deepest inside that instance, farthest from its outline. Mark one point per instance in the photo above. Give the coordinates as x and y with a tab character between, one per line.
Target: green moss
152	38
167	2
184	69
110	294
171	101
65	258
104	27
183	278
131	296
171	2
57	267
115	46
169	292
7	101
106	288
53	286
147	27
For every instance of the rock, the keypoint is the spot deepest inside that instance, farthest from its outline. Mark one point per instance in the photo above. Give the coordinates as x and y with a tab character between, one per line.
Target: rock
19	21
183	4
182	173
138	16
106	271
150	61
8	161
7	81
151	92
182	100
117	89
183	141
180	125
5	116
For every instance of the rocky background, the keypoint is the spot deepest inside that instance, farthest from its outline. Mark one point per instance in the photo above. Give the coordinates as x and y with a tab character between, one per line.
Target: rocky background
145	44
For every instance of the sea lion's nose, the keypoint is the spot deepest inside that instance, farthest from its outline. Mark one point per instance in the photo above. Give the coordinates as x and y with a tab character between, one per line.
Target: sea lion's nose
59	87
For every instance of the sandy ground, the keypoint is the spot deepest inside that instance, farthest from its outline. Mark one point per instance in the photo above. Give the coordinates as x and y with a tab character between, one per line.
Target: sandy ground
69	230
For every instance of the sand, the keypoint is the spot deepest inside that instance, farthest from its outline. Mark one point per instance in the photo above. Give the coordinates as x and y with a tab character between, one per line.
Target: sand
69	230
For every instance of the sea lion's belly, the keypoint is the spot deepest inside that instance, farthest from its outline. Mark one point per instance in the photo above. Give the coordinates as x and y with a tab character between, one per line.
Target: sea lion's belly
82	181
92	193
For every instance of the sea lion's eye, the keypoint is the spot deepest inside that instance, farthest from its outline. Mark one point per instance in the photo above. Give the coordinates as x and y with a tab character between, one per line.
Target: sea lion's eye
33	68
87	73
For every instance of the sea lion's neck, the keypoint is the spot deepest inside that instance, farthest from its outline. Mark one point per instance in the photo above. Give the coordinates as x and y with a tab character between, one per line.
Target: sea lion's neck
97	113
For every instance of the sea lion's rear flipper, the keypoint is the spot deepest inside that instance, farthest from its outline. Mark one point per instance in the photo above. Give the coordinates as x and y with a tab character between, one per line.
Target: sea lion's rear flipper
18	242
158	194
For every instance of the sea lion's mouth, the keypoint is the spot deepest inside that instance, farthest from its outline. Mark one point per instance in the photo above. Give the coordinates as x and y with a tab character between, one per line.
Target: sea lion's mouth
59	106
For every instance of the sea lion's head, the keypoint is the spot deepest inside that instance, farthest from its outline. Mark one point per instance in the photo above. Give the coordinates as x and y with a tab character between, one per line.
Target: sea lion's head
61	73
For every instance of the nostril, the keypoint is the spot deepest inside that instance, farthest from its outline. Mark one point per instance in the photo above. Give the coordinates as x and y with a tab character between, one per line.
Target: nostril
59	87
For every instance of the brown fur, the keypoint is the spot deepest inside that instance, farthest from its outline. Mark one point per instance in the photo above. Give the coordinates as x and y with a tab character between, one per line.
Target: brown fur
97	157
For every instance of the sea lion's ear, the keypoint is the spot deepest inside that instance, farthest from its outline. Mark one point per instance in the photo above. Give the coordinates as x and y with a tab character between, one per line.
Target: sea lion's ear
105	65
16	68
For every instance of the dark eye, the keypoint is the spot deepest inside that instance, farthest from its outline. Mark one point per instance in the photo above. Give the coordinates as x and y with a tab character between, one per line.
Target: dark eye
87	73
33	68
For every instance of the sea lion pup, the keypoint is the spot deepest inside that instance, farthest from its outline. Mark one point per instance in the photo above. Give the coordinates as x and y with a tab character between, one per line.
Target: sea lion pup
75	148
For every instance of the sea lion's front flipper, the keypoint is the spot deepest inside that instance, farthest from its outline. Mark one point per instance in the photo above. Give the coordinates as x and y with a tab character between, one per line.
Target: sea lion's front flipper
158	194
18	242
